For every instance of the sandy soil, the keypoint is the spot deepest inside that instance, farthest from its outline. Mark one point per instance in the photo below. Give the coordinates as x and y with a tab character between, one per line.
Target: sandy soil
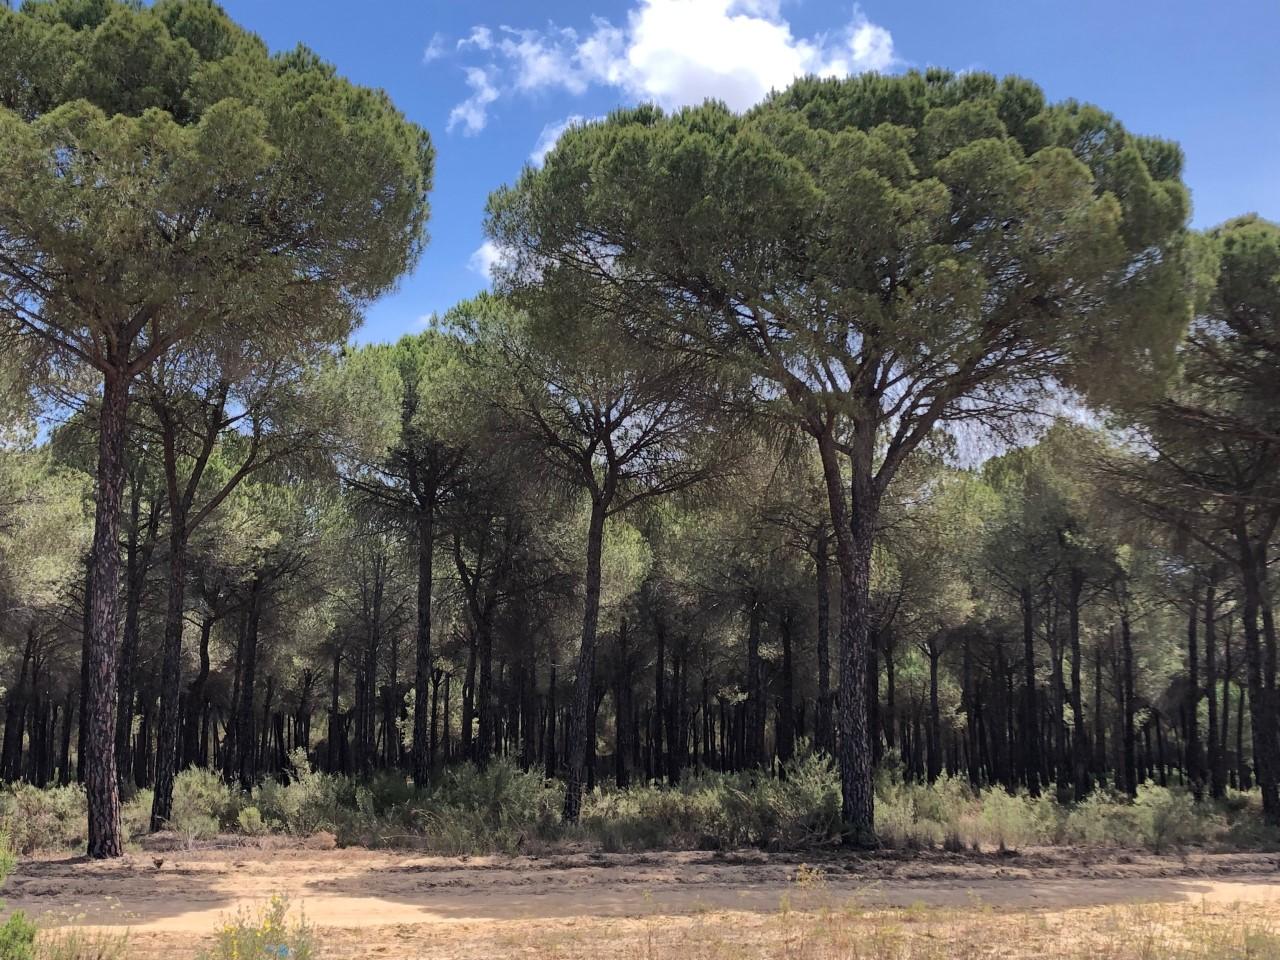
374	903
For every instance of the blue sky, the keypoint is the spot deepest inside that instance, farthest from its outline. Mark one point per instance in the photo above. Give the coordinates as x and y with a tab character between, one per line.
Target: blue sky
494	80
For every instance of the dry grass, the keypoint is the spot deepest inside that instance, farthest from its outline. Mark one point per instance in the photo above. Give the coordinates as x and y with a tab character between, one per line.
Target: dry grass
1149	932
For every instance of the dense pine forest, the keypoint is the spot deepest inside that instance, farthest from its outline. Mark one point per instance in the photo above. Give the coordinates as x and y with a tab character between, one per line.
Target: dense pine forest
898	419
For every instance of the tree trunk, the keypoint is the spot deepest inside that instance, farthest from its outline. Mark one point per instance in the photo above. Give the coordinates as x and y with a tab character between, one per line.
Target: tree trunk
550	749
1266	749
622	712
824	738
134	578
934	745
1130	708
484	693
1099	727
196	697
757	710
854	541
102	646
245	740
657	736
1080	737
171	668
1030	715
422	669
581	711
1194	757
787	707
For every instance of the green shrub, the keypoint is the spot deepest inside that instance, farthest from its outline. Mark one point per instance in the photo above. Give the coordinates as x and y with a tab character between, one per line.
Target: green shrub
1102	819
267	932
135	815
1168	817
1009	821
201	796
251	823
17	933
310	802
913	815
800	808
469	809
17	938
53	818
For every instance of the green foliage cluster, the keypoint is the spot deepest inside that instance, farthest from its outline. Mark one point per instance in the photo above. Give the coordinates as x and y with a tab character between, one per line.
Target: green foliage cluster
266	932
43	819
720	810
500	808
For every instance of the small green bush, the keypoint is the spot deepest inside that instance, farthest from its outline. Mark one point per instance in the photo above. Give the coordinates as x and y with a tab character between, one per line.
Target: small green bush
17	938
251	823
17	933
1169	818
135	814
52	818
1009	821
200	796
267	932
1102	819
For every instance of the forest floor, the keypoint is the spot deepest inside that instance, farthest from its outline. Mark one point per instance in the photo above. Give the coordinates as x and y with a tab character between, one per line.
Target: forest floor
366	903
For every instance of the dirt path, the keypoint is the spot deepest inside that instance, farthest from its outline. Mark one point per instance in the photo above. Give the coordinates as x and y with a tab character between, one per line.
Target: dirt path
380	904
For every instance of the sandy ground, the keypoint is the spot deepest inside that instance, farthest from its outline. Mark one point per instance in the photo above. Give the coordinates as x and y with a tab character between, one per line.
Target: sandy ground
374	903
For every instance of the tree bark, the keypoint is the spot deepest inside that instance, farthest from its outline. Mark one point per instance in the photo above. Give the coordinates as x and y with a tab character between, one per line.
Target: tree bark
934	742
1130	708
1195	757
422	670
102	646
171	668
1080	737
1030	713
245	740
1266	749
581	709
757	710
854	540
823	734
787	707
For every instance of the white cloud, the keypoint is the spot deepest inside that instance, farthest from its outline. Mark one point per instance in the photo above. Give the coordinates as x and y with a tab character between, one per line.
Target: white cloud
542	60
435	49
481	38
473	112
872	46
551	134
485	259
679	52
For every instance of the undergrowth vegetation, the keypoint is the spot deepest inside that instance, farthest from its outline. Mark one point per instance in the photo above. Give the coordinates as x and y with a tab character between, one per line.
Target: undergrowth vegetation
266	932
503	809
